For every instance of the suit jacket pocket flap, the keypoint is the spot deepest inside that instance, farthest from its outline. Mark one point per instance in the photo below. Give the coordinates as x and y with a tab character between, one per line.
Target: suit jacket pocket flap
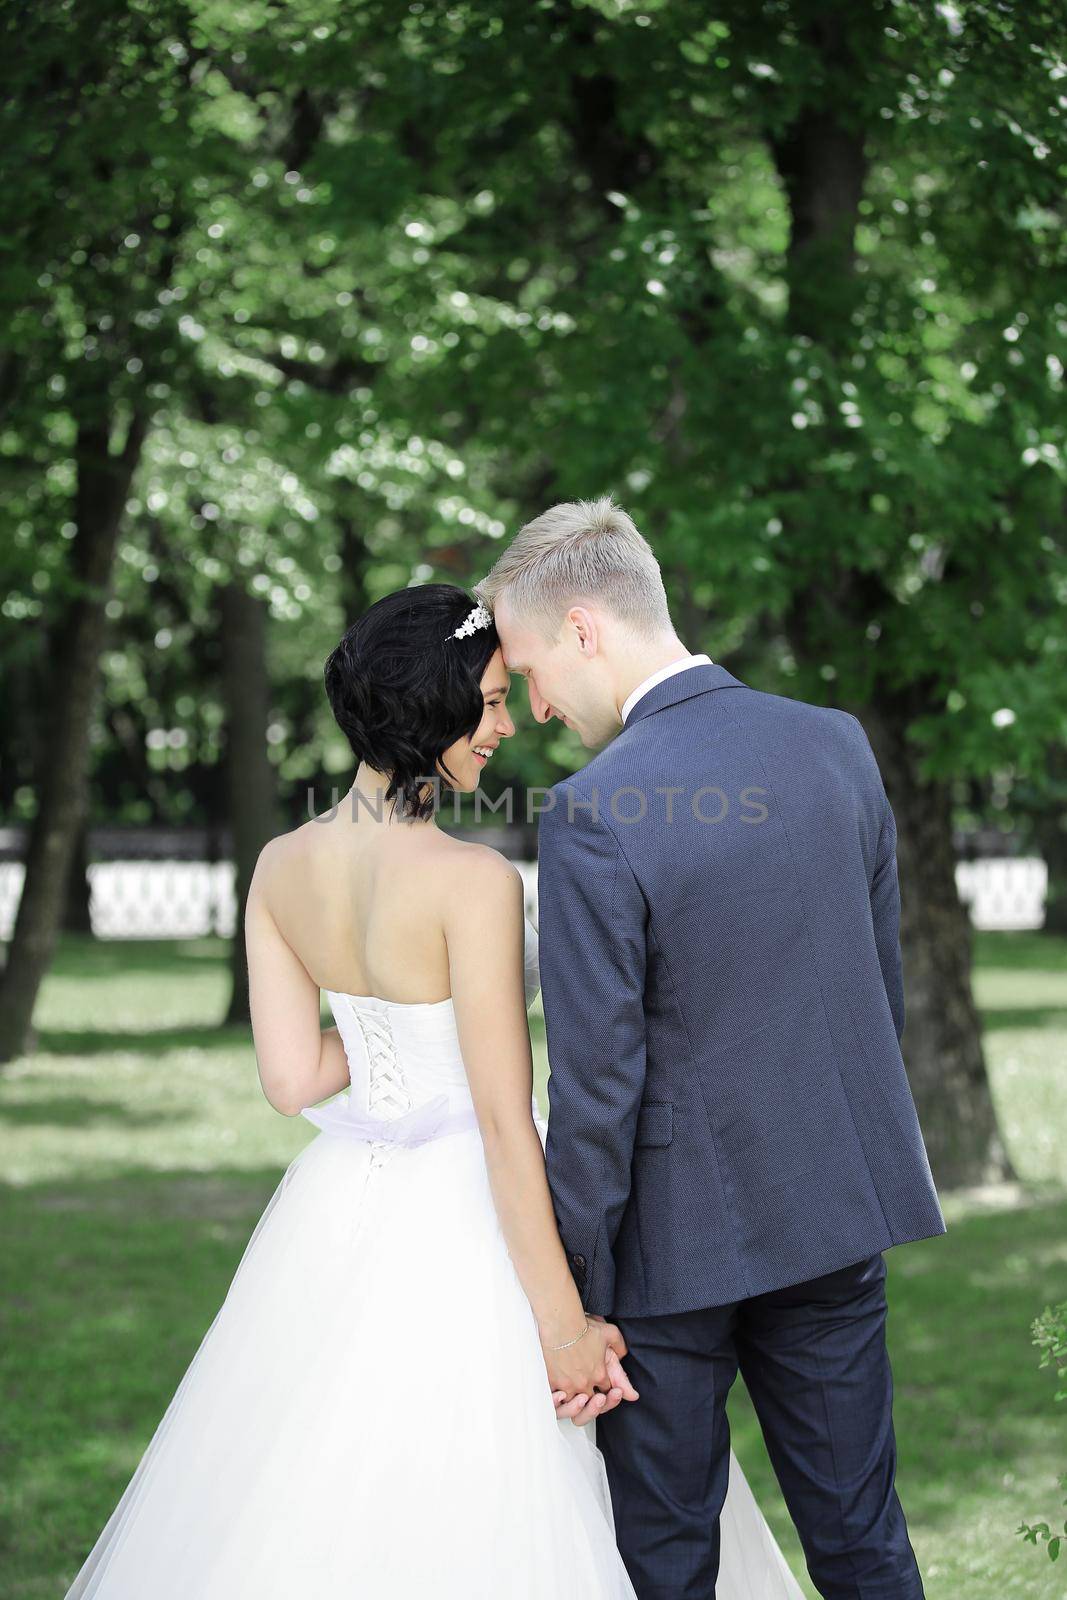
655	1123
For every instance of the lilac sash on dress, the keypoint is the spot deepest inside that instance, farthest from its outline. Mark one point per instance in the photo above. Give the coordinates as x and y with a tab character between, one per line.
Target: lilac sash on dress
431	1120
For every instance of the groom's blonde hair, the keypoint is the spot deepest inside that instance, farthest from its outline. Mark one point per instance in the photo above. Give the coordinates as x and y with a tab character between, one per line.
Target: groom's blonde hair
580	550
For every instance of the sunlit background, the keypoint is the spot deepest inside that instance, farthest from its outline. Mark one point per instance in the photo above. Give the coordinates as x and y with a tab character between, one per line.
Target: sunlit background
303	303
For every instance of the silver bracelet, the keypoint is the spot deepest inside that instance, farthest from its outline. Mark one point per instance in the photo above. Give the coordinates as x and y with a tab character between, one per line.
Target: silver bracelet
569	1342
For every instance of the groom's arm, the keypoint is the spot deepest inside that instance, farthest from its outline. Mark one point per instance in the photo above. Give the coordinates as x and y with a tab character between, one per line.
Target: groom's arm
885	889
885	910
592	920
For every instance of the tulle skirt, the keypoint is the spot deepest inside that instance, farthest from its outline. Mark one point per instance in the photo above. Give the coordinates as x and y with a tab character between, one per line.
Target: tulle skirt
368	1417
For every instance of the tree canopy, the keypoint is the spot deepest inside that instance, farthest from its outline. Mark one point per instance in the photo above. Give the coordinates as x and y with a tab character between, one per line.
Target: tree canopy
382	281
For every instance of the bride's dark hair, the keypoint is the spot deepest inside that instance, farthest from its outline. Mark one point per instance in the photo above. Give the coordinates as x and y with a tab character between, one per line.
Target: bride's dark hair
403	690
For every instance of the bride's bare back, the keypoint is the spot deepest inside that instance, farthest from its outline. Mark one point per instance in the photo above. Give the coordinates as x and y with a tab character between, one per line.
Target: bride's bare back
360	902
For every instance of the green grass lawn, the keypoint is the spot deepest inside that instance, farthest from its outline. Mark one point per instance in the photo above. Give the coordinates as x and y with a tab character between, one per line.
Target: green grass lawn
136	1153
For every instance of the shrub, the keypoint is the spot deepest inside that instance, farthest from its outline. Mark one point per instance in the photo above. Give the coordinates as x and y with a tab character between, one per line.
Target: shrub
1050	1337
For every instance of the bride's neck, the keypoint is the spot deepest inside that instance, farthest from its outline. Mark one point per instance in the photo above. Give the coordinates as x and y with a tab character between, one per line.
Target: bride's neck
368	791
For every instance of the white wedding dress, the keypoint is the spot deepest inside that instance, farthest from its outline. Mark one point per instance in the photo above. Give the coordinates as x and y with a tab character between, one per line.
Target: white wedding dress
368	1417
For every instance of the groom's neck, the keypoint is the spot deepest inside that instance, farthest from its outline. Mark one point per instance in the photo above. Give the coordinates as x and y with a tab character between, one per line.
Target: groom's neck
642	661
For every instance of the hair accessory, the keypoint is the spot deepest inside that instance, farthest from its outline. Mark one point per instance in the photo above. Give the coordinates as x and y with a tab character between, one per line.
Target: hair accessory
478	618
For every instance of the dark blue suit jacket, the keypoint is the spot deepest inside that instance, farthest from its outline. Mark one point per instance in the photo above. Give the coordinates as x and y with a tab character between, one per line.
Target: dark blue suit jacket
721	978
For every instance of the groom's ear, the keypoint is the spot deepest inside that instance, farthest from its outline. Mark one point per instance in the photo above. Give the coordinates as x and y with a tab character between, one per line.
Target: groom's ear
585	626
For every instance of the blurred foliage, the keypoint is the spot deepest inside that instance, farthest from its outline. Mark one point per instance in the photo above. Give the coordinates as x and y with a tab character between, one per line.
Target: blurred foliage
1050	1337
391	278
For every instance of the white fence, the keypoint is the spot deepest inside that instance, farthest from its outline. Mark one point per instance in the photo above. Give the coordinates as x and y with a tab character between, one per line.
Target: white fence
185	899
1006	892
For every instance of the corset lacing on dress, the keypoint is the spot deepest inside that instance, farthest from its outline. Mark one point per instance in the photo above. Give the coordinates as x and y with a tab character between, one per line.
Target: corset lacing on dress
390	1119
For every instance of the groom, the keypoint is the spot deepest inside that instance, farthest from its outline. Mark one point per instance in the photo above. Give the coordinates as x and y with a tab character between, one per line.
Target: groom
732	1141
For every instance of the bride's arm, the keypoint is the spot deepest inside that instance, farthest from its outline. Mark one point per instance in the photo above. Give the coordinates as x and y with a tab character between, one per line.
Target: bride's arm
484	928
299	1062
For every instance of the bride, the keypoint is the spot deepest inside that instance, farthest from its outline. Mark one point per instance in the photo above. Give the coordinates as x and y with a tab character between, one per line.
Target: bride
397	1397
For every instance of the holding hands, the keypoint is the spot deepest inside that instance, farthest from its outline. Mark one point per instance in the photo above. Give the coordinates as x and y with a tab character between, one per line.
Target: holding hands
586	1376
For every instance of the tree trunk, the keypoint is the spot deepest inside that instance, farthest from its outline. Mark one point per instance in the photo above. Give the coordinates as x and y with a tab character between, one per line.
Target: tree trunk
102	484
822	163
942	1041
77	916
251	780
1050	835
356	561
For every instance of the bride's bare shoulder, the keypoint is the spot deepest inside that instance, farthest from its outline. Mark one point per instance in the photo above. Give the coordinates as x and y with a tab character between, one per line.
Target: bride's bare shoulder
284	846
454	869
481	871
275	861
310	845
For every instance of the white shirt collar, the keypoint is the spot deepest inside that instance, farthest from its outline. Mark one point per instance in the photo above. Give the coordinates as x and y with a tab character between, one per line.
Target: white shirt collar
658	677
